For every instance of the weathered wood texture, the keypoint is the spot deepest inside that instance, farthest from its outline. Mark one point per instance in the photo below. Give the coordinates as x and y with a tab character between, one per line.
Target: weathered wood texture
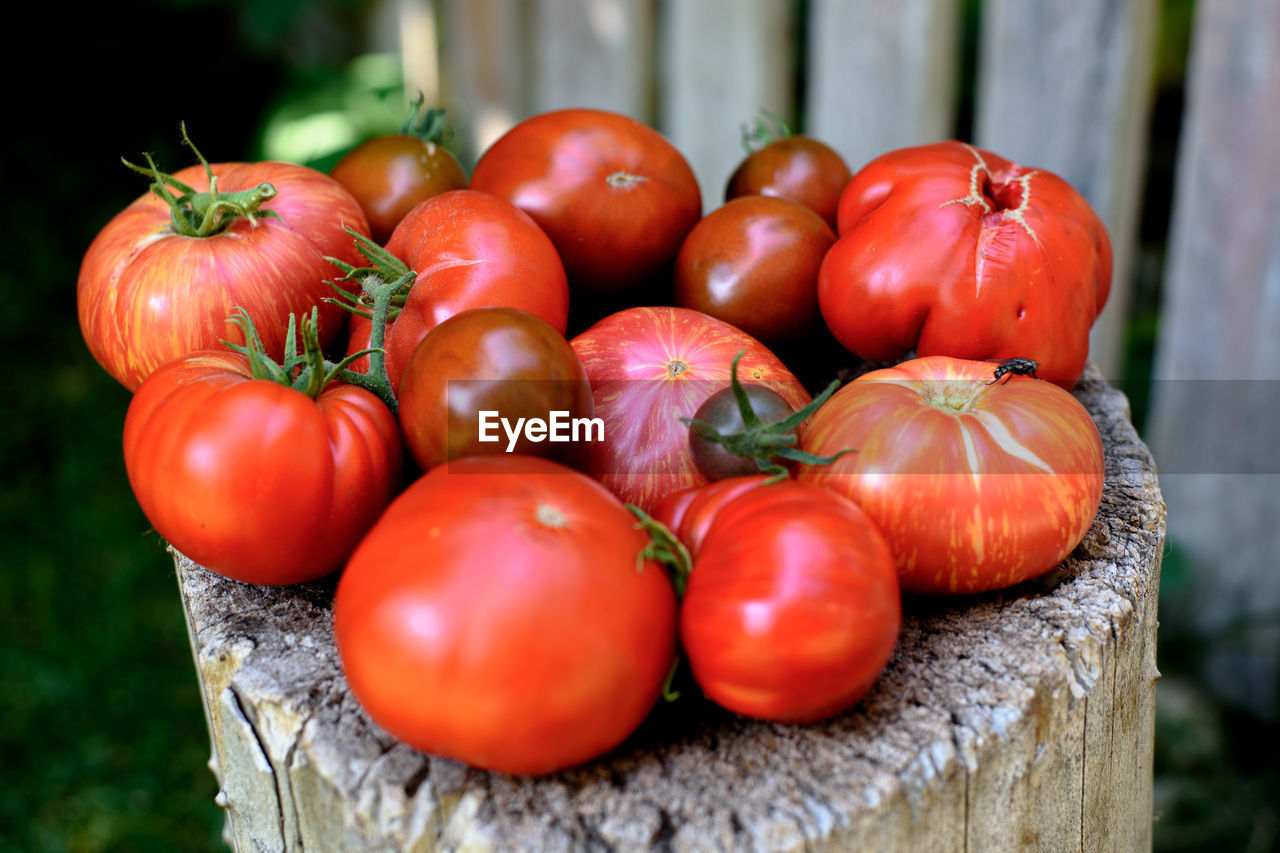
1065	85
1018	720
725	61
1216	394
882	74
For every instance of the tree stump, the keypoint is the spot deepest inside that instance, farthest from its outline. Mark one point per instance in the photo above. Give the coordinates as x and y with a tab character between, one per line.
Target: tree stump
1012	720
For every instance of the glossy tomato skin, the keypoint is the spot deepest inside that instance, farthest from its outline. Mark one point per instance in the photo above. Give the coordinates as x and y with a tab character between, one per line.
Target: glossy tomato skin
470	250
689	512
800	168
499	614
648	368
754	263
792	609
613	194
947	249
390	175
505	361
253	480
977	484
147	294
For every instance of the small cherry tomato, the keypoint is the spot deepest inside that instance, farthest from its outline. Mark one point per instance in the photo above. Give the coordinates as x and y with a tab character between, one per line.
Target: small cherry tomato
799	168
390	174
722	414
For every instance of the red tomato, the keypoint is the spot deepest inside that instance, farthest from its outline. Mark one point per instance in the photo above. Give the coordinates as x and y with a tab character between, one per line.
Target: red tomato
947	249
792	608
500	613
252	479
799	168
648	368
613	194
503	361
390	175
148	294
977	484
754	263
470	250
689	512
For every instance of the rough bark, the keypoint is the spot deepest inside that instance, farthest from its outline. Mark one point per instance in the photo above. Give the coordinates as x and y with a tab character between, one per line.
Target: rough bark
1014	720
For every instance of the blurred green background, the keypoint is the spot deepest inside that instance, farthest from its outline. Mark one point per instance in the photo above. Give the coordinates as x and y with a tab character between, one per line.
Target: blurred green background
102	739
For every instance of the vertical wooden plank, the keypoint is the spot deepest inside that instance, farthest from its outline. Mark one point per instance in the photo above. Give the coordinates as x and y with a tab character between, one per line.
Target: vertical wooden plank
1064	85
419	48
882	74
1216	398
723	61
482	53
593	53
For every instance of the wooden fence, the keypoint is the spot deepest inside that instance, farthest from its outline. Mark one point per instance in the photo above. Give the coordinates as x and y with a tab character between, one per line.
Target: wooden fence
1064	85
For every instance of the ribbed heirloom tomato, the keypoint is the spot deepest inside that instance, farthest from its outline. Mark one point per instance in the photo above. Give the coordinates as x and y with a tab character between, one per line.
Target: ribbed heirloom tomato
978	483
159	282
255	480
947	249
502	613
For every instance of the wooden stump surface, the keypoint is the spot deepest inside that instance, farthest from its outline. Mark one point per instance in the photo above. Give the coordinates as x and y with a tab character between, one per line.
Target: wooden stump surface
1015	720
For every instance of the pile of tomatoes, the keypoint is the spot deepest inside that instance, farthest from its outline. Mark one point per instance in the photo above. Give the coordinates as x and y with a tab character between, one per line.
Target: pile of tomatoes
544	418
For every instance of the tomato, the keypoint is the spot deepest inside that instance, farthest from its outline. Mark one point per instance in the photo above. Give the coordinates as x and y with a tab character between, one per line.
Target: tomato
148	293
255	480
947	249
792	609
391	174
470	250
500	613
689	512
754	263
977	483
509	363
650	367
722	414
800	168
613	194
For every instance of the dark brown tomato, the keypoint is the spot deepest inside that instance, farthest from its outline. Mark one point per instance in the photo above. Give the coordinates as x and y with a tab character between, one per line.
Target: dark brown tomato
503	361
720	412
390	175
753	263
799	168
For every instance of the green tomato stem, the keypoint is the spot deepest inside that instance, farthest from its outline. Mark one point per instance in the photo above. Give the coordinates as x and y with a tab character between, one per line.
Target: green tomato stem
204	214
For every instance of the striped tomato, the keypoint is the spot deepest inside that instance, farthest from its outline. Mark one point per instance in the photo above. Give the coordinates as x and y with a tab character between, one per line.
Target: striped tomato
650	367
979	479
160	281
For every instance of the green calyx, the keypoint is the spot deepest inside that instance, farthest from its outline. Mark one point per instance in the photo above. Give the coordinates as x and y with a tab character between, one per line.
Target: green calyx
383	269
766	443
203	214
763	130
663	548
309	371
429	125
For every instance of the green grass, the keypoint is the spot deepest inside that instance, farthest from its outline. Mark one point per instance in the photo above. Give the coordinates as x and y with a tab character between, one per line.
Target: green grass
102	737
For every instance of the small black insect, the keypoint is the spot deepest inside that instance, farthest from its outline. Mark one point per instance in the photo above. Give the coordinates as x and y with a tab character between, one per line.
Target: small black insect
1020	366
